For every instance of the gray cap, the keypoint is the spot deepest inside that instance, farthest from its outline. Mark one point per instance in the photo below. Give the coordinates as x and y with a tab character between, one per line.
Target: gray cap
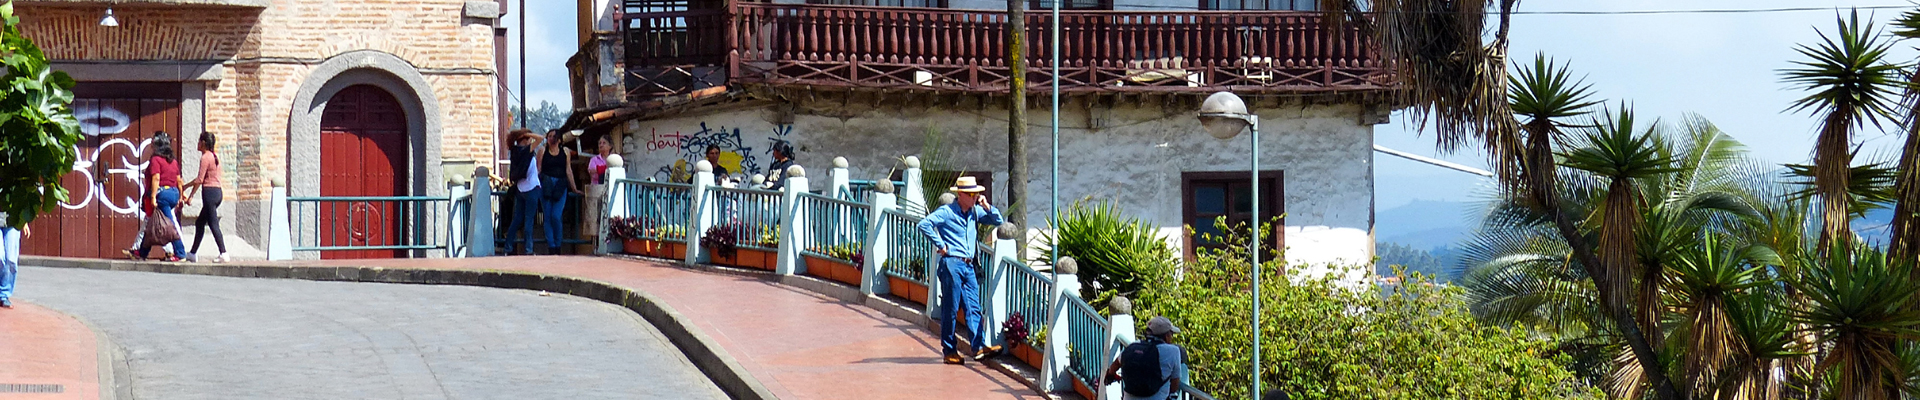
1161	326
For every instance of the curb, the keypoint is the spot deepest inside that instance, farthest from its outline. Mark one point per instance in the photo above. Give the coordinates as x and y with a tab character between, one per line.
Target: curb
706	354
110	359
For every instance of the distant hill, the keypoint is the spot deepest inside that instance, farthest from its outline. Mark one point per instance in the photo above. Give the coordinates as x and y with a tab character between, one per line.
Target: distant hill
1426	224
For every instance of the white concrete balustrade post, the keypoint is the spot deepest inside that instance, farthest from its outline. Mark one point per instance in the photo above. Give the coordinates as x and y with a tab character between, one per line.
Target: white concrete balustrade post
913	196
873	279
480	215
456	188
702	212
994	300
839	179
791	241
279	226
1119	334
1066	284
616	204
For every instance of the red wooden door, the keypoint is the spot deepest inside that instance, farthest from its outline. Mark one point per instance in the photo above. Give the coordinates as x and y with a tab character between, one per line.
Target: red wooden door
106	186
363	148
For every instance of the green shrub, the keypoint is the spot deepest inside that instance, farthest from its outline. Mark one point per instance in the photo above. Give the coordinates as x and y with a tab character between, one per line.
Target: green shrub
1116	253
1324	340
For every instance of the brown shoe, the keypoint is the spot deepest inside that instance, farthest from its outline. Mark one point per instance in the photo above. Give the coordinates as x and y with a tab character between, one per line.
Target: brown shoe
986	353
955	359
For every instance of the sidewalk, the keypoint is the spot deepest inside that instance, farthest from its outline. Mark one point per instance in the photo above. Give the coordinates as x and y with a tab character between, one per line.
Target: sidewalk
43	351
799	344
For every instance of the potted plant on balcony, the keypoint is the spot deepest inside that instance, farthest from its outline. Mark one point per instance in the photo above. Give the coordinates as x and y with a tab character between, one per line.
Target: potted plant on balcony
909	288
1024	340
763	253
720	241
630	231
841	264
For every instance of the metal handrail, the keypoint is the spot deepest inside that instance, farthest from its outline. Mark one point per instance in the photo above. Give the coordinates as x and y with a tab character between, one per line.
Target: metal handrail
832	223
1087	339
371	222
908	251
754	211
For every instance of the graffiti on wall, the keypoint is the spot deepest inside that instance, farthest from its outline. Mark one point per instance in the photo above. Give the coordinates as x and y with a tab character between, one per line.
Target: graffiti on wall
736	156
107	121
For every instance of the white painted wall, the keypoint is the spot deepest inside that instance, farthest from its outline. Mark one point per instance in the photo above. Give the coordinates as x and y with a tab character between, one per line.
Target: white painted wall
1136	159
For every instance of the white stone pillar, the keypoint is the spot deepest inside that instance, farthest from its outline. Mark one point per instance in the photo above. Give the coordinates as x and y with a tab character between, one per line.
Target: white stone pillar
838	179
456	227
279	227
1066	284
791	241
616	204
480	215
702	212
875	281
913	196
1119	334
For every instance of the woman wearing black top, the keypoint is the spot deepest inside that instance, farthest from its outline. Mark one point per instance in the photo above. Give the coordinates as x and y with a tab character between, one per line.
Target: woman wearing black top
556	179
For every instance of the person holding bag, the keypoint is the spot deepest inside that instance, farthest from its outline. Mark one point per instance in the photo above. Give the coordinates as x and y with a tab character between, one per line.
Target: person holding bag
556	180
163	180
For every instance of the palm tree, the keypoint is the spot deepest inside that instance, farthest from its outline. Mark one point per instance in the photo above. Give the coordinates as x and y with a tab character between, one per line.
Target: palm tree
1905	242
1852	85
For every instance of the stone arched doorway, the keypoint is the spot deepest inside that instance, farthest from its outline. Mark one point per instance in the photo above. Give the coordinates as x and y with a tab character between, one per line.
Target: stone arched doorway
363	153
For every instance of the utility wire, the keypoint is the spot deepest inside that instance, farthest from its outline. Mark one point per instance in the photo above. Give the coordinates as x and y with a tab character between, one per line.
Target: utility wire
1569	12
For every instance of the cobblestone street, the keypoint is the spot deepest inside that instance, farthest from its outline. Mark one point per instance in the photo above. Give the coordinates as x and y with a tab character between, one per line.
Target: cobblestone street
211	337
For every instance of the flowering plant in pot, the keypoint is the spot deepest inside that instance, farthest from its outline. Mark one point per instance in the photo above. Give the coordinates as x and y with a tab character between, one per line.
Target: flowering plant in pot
721	240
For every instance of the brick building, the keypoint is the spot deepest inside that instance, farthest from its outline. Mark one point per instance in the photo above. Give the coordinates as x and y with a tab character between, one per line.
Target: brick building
337	98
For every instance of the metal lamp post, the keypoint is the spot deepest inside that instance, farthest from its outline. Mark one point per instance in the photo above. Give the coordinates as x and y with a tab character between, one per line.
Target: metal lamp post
1224	115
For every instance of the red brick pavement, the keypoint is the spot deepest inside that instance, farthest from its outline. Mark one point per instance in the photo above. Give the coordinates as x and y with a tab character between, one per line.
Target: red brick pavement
799	344
39	346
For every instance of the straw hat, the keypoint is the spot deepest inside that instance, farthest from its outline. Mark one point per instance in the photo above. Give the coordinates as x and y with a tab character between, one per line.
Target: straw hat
966	184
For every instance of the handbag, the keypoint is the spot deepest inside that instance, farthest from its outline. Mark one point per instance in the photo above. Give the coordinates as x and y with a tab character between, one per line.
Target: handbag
159	230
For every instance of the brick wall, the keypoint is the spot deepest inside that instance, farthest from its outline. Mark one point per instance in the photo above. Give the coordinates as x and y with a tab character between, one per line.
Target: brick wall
269	52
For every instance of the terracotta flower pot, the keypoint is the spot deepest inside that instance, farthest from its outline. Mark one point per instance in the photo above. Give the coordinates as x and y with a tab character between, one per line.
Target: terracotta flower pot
727	258
636	247
676	250
833	269
1026	353
1081	387
755	258
906	289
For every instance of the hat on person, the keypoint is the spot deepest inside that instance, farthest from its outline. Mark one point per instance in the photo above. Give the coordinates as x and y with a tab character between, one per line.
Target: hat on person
1161	326
966	185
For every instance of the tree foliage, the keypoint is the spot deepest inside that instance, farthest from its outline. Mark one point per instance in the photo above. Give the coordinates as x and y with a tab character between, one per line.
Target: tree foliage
1325	339
37	127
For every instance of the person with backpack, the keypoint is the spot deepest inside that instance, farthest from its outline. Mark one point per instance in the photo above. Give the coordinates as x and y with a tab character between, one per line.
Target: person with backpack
1152	368
526	178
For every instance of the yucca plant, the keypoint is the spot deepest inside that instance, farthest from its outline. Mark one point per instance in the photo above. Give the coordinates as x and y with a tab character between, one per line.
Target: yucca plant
1852	85
1115	252
1858	302
1616	150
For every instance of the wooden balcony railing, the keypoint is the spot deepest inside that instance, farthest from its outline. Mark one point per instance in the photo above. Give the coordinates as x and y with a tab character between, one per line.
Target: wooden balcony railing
965	50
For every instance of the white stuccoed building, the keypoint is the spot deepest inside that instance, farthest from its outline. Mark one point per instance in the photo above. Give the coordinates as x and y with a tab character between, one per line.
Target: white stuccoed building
871	82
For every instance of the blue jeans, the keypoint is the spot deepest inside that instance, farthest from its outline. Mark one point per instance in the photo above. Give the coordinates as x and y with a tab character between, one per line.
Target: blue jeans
959	292
166	203
552	224
9	260
524	208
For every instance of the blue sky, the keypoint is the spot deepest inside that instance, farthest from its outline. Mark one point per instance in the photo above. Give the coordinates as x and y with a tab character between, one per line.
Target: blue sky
1724	67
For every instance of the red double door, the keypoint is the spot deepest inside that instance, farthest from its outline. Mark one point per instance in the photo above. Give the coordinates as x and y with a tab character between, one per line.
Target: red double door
363	149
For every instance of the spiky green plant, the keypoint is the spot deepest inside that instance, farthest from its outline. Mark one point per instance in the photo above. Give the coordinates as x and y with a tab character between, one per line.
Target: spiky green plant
1852	84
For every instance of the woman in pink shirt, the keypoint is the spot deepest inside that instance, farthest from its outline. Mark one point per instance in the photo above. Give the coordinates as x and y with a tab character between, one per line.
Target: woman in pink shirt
596	198
209	179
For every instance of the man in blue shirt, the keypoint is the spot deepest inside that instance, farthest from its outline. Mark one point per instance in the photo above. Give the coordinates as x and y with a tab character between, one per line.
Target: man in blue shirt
1163	368
951	229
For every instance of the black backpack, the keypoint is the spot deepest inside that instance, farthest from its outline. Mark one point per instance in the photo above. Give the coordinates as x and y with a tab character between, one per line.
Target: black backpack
1140	368
520	156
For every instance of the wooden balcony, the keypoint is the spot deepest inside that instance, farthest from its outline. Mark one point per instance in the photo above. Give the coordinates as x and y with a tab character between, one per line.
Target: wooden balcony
930	49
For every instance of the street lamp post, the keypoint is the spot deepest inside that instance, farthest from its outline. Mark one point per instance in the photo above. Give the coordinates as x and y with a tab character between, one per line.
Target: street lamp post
1224	115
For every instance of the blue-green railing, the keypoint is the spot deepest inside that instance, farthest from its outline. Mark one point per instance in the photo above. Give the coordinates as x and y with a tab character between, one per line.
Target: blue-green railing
661	209
458	235
1029	292
371	223
1086	340
909	252
833	223
862	191
754	213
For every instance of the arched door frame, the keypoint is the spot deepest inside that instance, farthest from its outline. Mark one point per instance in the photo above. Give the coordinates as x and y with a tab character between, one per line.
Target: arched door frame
365	67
